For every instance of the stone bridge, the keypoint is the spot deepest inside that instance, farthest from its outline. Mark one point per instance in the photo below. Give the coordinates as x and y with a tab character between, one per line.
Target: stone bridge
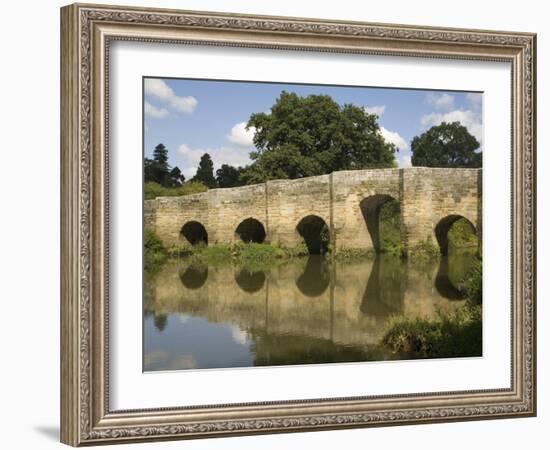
346	203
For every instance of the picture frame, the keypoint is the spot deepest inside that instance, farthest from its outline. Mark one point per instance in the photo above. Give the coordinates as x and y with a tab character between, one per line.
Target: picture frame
87	32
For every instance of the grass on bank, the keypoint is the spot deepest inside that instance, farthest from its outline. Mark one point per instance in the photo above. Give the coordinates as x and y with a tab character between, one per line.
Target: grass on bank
254	256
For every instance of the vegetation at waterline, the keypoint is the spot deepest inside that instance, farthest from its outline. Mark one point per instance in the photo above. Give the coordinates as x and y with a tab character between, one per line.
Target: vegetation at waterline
154	253
253	255
454	334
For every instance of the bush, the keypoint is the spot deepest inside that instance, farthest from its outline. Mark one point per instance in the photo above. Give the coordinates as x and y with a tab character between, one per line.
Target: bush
458	333
152	190
425	251
350	254
474	283
154	253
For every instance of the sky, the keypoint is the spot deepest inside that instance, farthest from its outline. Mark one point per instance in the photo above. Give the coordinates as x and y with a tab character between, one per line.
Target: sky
193	117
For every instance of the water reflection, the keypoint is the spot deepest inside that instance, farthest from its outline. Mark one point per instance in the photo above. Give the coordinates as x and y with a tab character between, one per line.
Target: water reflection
304	311
250	281
194	276
315	278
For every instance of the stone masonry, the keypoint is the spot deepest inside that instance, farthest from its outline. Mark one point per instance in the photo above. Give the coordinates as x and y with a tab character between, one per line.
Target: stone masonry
431	199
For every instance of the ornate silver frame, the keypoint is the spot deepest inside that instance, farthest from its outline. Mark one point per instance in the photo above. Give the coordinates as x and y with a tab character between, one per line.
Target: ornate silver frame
86	31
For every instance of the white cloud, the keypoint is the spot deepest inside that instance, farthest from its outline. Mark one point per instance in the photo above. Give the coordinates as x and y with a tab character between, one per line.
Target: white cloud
241	136
190	157
404	161
378	110
157	88
153	111
393	137
440	101
470	119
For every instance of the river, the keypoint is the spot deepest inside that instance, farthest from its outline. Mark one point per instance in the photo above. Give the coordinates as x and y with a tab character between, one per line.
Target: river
304	311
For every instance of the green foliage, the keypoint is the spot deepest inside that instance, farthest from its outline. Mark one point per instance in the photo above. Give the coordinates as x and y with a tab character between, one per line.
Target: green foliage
205	172
474	282
352	254
228	176
314	135
425	251
446	145
458	333
157	170
154	253
462	235
390	228
153	190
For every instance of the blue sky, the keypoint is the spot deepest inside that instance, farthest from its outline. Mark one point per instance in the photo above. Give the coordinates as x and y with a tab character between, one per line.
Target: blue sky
191	117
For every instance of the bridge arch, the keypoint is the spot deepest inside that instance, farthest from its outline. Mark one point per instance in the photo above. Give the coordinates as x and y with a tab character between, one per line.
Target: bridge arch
194	233
251	230
444	226
370	208
315	233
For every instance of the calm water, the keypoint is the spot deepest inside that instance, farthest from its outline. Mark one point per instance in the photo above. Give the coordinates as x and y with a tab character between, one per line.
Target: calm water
305	311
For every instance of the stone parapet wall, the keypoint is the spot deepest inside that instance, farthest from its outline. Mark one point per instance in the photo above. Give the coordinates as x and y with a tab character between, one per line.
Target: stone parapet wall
347	201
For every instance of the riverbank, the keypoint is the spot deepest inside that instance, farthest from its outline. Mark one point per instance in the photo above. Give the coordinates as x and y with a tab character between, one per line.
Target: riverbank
453	334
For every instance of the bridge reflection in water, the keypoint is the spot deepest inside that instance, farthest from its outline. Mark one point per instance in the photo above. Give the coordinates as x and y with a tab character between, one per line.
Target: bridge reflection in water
304	311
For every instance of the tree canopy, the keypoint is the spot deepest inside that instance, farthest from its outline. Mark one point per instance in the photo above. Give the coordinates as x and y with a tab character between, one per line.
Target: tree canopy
228	176
446	145
314	135
205	171
158	170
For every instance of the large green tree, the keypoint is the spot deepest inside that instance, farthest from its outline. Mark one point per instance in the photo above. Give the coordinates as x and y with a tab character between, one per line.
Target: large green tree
205	171
158	170
314	135
446	145
228	176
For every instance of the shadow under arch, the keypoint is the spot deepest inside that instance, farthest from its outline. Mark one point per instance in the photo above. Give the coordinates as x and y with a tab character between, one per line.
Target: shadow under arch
442	231
370	208
315	233
194	233
250	281
315	279
385	291
194	276
251	230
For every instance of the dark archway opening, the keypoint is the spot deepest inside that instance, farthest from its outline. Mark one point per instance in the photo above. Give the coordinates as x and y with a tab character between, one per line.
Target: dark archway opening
315	233
457	231
315	278
250	281
251	230
194	233
194	276
382	214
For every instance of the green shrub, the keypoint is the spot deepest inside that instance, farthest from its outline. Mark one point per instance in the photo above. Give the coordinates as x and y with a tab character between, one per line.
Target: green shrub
425	251
462	235
474	283
458	333
154	253
390	228
351	254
